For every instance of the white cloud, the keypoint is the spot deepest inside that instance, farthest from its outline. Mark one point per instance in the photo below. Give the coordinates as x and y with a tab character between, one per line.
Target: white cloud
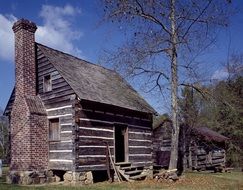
220	74
6	37
56	32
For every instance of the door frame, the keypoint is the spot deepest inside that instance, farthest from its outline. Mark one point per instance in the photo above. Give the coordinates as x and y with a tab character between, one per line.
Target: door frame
126	146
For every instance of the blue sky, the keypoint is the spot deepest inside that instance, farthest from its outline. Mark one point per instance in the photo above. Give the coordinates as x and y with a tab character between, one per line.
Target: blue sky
74	27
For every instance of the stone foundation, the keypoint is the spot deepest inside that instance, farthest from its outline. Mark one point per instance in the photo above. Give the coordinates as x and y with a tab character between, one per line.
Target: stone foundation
81	178
41	177
30	177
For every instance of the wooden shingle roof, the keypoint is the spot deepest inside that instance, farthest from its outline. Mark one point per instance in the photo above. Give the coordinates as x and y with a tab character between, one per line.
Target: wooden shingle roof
209	135
95	83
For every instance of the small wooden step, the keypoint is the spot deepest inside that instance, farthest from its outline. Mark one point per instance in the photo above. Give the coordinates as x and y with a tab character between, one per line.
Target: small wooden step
129	168
133	172
123	164
137	177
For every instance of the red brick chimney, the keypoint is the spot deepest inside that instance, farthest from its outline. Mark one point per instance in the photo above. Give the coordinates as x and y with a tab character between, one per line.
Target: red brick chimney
28	122
25	57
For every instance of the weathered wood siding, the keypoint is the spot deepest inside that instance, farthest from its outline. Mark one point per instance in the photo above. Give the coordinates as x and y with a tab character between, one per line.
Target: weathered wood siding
199	154
202	156
96	129
162	144
59	103
140	146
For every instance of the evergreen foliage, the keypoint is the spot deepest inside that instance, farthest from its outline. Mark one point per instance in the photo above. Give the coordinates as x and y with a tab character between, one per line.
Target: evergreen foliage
221	111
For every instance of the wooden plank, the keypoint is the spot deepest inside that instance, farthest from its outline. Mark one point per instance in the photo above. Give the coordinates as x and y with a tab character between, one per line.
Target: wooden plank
133	129
66	136
67	127
57	79
96	124
201	157
44	68
94	142
139	143
201	152
140	150
64	102
90	168
218	154
90	161
218	161
60	111
217	157
139	136
66	119
140	158
46	71
102	116
62	155
59	87
92	151
97	133
55	85
42	62
117	110
60	165
57	100
57	93
60	146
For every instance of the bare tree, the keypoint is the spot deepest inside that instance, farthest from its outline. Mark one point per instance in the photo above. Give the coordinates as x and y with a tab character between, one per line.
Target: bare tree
4	136
164	39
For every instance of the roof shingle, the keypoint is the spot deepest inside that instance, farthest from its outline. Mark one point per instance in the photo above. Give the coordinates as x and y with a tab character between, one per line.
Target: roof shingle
95	83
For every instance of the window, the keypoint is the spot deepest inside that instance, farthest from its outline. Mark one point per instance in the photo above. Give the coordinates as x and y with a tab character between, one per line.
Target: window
54	130
47	84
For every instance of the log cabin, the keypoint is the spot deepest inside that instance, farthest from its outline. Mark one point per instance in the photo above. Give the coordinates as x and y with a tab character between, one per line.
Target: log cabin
201	147
64	112
205	149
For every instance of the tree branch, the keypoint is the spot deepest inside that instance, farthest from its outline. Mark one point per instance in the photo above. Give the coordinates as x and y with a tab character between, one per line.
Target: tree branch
196	19
151	18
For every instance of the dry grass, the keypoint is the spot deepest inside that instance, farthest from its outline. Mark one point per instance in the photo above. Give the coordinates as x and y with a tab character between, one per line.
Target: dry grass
190	181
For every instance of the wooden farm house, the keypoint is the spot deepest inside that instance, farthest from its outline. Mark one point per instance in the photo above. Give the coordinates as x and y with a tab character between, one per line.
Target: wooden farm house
72	117
203	147
206	149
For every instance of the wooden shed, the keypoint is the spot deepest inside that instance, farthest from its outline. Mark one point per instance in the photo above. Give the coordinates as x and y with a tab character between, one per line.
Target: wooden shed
205	149
200	148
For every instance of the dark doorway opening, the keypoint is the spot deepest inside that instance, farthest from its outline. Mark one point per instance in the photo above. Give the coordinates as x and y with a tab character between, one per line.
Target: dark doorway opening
121	143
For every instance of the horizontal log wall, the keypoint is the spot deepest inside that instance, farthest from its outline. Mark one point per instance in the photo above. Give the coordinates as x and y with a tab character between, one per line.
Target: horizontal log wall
61	90
140	146
62	153
93	135
203	157
199	154
161	141
96	129
59	103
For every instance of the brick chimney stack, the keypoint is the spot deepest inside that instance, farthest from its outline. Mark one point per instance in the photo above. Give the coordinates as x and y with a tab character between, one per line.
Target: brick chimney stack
28	124
25	57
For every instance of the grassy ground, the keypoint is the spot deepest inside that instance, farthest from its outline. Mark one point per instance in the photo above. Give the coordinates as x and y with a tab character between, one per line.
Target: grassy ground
190	181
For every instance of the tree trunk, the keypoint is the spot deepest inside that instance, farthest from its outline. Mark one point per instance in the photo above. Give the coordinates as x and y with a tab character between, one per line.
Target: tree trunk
174	91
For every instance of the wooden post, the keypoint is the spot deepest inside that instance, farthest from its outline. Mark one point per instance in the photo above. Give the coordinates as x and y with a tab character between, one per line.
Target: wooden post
190	156
108	162
195	153
113	165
